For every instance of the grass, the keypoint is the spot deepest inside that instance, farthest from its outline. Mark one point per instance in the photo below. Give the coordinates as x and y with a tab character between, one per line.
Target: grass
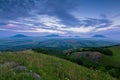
48	67
112	60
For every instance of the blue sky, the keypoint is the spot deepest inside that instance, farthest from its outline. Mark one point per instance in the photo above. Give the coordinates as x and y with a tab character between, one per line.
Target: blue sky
64	17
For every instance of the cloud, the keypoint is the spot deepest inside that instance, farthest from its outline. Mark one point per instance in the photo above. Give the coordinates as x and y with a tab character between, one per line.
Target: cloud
2	29
48	16
79	29
116	16
53	24
107	28
21	8
39	30
50	21
27	8
11	26
102	22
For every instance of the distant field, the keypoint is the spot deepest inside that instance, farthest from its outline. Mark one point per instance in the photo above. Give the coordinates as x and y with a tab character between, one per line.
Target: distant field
43	67
112	60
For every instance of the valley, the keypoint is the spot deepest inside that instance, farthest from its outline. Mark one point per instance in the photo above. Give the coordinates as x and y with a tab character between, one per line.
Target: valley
92	54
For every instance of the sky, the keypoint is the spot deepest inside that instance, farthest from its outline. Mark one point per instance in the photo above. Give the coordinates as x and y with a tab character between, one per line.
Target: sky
64	17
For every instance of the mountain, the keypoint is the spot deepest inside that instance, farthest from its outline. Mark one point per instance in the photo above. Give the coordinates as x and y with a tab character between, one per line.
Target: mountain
14	43
19	36
99	36
53	35
74	43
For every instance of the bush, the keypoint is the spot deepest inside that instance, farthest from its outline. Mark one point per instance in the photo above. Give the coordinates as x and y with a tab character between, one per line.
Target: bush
104	51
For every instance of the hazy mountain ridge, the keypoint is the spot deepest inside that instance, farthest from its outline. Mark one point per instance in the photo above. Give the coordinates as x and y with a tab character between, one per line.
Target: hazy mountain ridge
64	43
53	35
99	36
19	36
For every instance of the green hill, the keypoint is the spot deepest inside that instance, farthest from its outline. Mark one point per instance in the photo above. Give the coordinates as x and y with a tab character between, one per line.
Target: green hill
112	60
28	65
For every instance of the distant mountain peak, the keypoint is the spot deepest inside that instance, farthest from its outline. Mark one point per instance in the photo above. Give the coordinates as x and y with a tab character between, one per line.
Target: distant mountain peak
99	36
19	36
53	35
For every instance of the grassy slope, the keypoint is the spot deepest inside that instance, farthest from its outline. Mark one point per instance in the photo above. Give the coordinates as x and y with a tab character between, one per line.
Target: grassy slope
49	67
113	60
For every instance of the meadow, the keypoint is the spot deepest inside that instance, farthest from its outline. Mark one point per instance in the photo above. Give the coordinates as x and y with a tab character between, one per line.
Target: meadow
46	67
112	60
